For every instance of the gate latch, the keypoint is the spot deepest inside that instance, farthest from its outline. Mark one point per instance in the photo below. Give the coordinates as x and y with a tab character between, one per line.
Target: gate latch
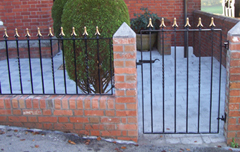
224	118
146	61
226	45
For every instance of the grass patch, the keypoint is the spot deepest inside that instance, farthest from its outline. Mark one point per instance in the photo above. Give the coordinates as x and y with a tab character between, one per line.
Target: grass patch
213	9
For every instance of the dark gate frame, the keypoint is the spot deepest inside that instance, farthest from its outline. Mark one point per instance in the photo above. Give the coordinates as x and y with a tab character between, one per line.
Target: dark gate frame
186	30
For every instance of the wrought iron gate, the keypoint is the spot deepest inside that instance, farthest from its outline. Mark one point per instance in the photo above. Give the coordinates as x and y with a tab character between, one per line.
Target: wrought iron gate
182	95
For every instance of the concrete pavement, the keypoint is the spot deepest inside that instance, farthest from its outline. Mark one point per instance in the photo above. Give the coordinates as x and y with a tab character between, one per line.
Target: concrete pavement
15	139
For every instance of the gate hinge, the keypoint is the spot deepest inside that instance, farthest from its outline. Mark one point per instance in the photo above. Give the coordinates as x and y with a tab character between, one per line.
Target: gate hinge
226	45
224	118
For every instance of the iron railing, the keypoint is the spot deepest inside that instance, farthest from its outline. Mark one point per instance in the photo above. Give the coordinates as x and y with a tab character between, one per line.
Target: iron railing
32	65
151	117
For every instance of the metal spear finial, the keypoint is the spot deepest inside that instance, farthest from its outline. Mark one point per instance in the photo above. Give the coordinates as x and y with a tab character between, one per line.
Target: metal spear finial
50	32
97	31
162	23
187	23
73	32
27	35
62	33
16	33
199	23
85	31
150	23
175	22
39	32
212	23
5	33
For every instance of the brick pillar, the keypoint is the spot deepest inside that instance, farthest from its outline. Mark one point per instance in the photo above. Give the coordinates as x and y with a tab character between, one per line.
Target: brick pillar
232	105
124	49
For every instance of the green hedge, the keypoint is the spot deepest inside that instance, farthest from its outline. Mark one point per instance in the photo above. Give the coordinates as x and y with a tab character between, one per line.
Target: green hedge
57	10
108	15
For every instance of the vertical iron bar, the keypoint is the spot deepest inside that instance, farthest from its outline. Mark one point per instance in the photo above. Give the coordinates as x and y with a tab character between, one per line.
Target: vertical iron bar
40	54
142	83
187	78
64	70
163	85
75	62
110	48
98	62
30	64
151	80
220	77
86	61
210	118
19	65
175	81
199	76
9	75
53	77
185	7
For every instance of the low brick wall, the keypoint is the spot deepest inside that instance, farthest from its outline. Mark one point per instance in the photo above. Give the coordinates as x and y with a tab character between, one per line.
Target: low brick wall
84	115
113	116
222	22
232	104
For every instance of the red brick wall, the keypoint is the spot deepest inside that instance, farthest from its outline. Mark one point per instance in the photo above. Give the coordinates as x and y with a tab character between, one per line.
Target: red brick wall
84	115
112	116
167	9
222	22
31	14
232	108
24	14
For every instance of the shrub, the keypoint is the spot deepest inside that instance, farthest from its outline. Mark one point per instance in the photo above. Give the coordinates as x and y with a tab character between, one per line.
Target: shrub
57	10
142	19
108	15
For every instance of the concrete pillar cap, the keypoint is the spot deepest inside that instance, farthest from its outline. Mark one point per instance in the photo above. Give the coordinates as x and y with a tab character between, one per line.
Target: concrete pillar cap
124	31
